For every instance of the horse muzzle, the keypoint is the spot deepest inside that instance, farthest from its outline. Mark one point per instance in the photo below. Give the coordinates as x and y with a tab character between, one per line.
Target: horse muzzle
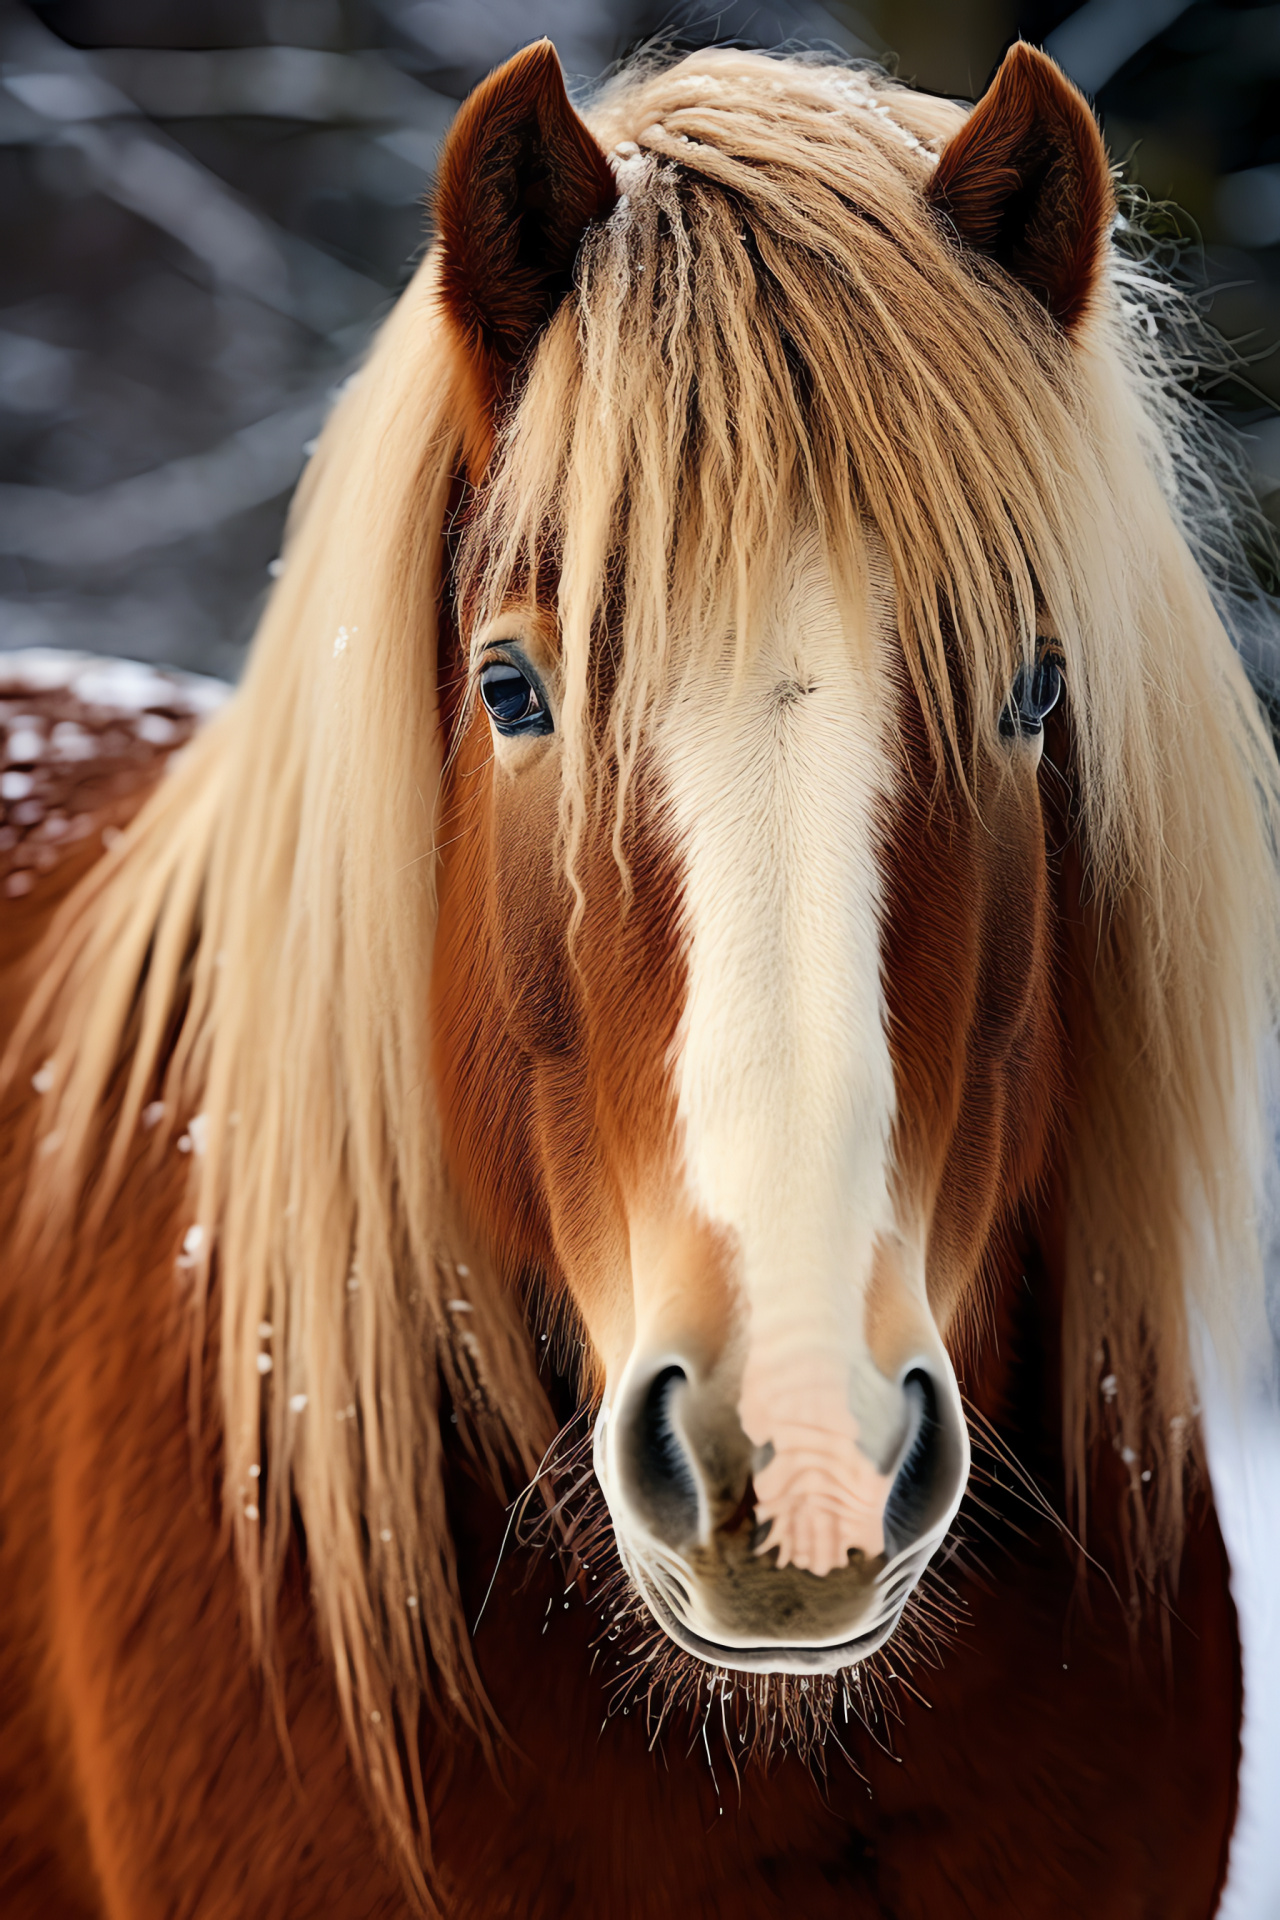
678	1472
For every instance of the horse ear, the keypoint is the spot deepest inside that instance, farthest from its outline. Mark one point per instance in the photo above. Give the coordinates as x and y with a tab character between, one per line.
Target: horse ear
520	180
1027	182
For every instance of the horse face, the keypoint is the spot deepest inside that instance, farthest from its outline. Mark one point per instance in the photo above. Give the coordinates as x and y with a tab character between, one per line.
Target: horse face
761	1110
762	1085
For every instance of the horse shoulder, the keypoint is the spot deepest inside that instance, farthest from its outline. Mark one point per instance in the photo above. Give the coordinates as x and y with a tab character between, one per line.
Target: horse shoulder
140	1756
150	1760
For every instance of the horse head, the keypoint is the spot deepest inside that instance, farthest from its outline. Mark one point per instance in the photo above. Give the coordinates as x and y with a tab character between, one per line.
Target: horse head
745	997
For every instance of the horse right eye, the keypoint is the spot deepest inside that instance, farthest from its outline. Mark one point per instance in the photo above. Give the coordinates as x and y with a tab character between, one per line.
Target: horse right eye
512	699
1035	693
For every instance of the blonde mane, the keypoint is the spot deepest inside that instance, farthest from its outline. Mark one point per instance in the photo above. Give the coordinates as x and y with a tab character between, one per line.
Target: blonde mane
771	329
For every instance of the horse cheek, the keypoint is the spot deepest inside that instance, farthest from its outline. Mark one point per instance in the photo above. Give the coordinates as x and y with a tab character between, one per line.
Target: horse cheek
1013	1070
531	905
483	1075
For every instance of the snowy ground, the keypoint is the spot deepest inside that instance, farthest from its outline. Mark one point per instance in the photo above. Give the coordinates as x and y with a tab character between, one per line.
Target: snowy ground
1242	1429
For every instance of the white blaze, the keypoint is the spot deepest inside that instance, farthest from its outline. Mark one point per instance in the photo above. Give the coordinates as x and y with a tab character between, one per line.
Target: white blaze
785	1084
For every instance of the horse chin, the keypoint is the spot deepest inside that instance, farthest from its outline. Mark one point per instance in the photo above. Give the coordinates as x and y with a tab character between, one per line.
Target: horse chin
770	1657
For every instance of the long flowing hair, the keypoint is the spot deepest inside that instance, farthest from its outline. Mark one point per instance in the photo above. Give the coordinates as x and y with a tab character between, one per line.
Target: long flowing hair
770	330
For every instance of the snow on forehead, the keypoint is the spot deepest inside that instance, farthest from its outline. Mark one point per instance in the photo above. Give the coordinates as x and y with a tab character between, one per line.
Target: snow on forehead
848	87
853	89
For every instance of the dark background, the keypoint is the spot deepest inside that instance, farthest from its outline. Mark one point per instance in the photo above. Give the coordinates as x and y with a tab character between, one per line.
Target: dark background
208	204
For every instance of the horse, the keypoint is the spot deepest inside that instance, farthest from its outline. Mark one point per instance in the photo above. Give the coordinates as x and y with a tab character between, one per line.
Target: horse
613	1182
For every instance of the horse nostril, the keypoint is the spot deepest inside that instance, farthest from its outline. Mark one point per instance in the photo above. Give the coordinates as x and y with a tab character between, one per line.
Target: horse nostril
661	1471
908	1511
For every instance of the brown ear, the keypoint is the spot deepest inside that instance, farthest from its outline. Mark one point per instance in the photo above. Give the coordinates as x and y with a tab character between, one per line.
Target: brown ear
1026	181
520	180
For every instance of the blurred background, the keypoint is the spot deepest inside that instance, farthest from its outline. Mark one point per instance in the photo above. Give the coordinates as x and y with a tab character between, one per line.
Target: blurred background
208	205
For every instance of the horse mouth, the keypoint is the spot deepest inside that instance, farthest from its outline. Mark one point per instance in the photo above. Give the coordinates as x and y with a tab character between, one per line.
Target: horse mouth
796	1657
834	1622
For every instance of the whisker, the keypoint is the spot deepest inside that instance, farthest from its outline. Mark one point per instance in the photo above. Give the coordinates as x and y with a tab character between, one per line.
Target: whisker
515	1512
1034	1495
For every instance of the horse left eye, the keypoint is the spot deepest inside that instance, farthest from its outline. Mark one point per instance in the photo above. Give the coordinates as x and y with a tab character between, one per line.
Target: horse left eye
1035	693
512	700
